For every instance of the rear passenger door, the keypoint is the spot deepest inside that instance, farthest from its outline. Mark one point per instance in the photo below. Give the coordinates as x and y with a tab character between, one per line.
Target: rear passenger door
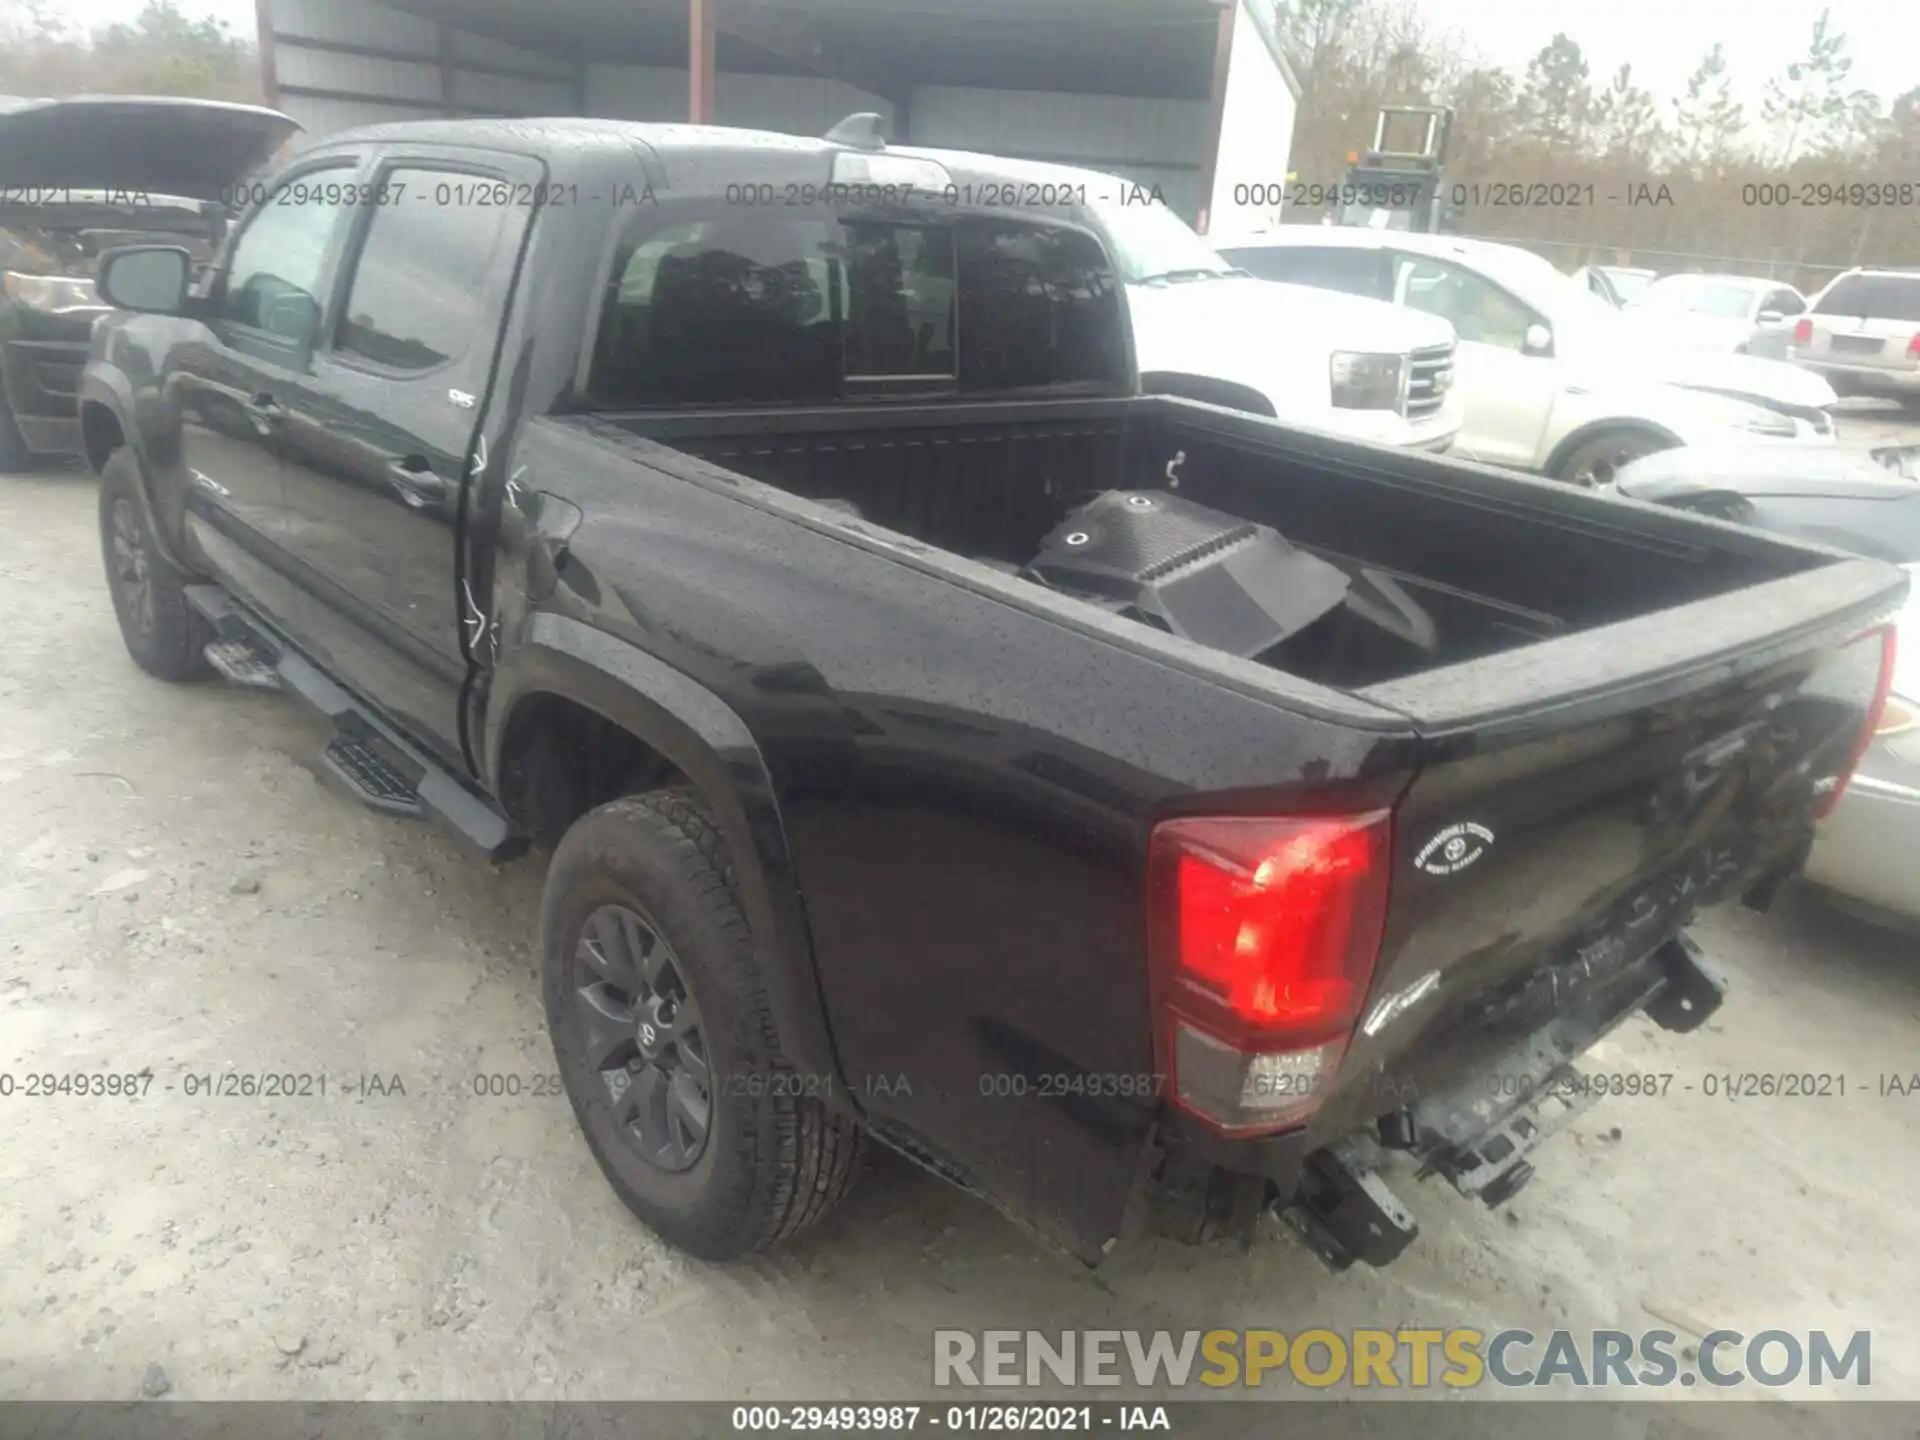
378	437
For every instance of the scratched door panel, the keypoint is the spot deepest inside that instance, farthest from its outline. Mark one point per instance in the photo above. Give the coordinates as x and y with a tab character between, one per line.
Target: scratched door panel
381	444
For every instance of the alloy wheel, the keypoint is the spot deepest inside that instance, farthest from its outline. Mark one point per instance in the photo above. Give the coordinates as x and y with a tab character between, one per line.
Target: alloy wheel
642	1035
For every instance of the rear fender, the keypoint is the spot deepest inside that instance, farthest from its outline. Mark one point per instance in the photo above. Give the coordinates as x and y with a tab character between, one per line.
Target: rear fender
706	740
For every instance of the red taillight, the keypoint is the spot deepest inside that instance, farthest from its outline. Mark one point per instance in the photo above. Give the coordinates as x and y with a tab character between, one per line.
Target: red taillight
1264	937
1803	332
1913	347
1876	708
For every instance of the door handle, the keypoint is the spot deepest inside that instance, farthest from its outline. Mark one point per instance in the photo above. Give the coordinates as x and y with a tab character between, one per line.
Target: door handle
417	484
265	412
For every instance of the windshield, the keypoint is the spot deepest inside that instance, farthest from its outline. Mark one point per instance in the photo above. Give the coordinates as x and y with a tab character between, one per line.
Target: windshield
1150	242
1629	285
1700	295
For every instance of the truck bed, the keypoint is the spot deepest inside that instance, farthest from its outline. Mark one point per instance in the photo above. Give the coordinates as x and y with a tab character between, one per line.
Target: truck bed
1496	563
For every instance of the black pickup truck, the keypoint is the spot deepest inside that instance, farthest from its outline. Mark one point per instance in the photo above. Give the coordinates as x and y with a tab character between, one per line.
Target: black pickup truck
1131	810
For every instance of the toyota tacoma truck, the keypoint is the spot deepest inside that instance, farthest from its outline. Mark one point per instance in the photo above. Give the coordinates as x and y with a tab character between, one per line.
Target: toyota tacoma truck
1135	811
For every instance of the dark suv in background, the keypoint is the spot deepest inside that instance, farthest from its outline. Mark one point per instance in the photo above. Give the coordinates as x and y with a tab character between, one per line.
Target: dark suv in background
79	177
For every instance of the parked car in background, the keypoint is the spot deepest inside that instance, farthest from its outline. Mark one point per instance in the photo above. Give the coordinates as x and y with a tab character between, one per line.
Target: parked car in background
1735	313
1616	284
1867	850
1206	330
1553	380
1862	333
80	176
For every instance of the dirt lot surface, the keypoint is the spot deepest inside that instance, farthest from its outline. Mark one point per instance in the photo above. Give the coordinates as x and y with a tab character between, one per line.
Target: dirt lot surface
179	895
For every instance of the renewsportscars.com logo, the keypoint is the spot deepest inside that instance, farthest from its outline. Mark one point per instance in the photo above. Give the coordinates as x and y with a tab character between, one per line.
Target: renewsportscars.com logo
1398	1359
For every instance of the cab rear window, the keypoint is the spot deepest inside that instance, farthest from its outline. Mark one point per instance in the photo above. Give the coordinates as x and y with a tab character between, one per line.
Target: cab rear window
807	307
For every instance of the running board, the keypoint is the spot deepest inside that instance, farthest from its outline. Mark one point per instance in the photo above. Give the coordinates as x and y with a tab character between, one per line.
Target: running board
364	755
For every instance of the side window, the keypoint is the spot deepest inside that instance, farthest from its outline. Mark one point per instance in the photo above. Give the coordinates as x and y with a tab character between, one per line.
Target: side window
729	310
1784	301
418	287
1351	269
1479	310
273	279
901	299
1039	306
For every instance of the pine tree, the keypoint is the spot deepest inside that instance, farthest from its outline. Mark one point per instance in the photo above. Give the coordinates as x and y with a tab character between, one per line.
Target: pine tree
1556	99
1808	107
1626	120
1708	122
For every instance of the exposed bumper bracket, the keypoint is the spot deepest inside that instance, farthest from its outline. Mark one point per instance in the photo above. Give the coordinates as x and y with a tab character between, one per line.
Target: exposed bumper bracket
1344	1211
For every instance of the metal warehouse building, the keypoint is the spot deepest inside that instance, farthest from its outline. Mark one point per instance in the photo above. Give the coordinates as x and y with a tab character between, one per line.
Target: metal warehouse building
1190	95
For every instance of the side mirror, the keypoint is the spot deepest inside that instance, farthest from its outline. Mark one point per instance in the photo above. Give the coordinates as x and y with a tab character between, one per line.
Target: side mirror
1770	317
294	317
1539	339
152	279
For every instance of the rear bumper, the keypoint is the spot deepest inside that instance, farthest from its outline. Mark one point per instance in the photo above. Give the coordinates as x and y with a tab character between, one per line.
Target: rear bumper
1477	1132
1863	379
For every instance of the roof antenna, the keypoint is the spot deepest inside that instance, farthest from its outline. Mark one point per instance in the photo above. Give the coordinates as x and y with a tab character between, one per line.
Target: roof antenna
866	130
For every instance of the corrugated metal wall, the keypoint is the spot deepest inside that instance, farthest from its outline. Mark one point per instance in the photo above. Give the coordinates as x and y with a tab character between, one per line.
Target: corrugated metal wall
797	104
341	63
1154	142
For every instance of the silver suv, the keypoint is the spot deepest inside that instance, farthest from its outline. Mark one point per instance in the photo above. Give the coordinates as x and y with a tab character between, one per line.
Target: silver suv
1863	333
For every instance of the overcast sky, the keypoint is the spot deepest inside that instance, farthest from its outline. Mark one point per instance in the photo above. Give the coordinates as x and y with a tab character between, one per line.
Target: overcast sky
1661	39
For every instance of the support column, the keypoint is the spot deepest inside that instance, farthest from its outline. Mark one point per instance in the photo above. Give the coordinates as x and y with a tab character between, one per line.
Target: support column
448	64
700	28
263	47
1216	110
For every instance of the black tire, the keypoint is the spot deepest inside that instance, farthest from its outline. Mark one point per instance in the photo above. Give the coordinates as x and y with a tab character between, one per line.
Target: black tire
166	636
1593	463
774	1158
15	457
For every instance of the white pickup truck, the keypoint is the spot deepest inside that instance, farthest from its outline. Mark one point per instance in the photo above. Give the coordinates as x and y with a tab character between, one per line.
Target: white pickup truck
1205	329
1553	379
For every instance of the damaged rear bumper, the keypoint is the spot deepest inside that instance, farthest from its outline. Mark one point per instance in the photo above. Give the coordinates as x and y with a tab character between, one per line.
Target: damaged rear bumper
1478	1134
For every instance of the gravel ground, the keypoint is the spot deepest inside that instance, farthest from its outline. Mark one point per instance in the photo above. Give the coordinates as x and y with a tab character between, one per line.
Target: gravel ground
180	895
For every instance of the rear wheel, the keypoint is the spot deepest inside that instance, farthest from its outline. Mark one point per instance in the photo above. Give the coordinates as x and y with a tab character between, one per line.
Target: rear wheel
664	1039
1597	461
165	635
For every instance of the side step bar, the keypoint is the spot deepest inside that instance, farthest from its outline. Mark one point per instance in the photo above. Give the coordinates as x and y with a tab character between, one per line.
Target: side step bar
364	755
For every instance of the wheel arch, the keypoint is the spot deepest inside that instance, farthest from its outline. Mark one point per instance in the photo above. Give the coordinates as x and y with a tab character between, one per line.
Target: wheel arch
1612	425
561	665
